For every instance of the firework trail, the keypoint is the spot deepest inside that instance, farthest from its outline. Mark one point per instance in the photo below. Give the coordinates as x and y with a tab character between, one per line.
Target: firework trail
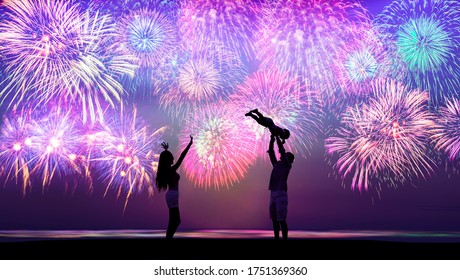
277	96
386	139
426	38
232	23
222	150
128	157
121	8
446	136
19	149
58	140
202	77
53	51
304	38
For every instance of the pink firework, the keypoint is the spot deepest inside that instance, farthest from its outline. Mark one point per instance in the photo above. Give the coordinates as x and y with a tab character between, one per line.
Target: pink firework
304	37
128	156
278	96
232	23
386	139
19	150
222	150
446	136
58	138
204	75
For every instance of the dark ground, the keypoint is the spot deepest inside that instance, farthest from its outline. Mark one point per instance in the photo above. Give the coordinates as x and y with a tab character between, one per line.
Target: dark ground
226	249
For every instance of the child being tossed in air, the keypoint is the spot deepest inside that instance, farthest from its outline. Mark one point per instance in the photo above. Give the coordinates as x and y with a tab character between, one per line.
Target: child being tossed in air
267	122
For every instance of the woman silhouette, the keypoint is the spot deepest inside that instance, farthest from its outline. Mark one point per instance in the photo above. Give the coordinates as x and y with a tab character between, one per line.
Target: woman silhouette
168	179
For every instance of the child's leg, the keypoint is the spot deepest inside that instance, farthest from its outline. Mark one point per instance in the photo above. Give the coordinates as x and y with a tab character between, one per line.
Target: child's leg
259	120
259	114
252	116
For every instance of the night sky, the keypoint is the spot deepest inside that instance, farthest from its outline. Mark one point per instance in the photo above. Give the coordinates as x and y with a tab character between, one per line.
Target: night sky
317	198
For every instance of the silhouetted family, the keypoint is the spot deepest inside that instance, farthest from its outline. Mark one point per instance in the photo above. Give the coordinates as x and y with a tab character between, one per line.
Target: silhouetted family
168	179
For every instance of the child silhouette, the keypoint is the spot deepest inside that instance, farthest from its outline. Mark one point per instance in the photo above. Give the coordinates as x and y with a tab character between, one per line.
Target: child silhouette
267	122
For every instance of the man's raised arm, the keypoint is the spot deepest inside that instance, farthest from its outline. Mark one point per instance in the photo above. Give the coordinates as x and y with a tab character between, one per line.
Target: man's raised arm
271	151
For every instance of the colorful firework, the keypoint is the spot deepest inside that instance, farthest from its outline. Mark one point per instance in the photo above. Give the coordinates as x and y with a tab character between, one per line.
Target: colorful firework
304	38
39	39
362	61
149	35
447	135
204	76
19	149
93	138
93	79
232	23
386	139
121	8
129	155
426	38
58	138
277	96
55	52
222	150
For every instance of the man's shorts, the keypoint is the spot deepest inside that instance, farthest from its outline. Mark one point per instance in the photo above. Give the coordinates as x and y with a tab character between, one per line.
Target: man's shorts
278	205
172	198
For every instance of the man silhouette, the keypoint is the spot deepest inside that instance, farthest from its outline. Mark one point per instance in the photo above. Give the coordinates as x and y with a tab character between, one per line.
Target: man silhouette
278	187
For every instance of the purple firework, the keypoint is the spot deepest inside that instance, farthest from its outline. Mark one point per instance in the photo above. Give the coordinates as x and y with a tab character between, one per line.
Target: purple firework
385	139
447	134
304	38
55	51
58	139
204	75
232	23
19	149
127	158
149	35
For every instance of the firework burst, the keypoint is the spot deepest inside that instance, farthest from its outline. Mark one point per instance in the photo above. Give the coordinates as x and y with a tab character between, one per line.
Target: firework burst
129	155
58	138
364	61
204	76
148	35
53	51
19	149
447	135
231	23
386	139
39	39
426	38
222	150
304	38
277	96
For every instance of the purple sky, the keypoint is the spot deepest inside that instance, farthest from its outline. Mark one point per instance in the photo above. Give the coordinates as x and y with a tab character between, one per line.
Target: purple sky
317	201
